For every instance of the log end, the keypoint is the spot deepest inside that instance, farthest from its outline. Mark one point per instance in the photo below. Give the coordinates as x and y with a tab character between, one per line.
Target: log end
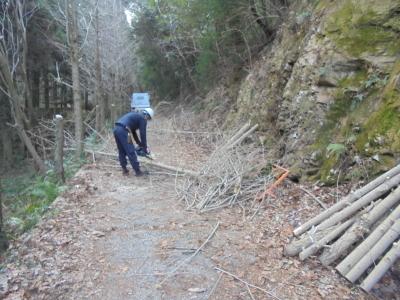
298	231
343	269
291	250
327	258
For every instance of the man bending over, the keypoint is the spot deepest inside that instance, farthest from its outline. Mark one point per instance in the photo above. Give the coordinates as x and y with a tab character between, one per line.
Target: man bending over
131	122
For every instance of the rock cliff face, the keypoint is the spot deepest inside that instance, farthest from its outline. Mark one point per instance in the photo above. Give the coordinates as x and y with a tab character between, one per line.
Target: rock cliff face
326	93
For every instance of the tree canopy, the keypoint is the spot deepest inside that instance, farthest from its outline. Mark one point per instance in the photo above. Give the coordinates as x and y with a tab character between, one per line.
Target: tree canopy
192	44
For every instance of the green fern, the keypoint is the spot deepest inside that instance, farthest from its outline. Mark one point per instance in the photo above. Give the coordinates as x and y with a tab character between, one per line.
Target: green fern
335	149
376	80
28	196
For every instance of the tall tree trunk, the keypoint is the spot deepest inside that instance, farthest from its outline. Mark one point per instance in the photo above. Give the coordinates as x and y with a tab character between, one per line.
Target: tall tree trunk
17	112
59	149
1	210
20	15
7	142
72	29
35	89
54	94
100	104
46	89
63	96
3	238
86	100
106	100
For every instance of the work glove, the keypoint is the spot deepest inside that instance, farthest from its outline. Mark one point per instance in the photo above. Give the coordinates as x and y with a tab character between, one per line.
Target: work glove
142	151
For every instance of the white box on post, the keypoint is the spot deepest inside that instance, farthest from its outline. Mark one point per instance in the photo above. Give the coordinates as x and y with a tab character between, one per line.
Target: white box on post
140	101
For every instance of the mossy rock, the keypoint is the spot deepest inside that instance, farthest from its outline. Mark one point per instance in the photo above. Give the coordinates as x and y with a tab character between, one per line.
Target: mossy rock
379	132
385	120
365	27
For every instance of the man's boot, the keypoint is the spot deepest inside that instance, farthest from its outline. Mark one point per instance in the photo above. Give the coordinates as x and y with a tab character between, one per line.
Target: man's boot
140	173
125	171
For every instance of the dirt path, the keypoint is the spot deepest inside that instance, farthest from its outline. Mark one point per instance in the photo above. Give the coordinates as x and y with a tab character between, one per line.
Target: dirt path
146	233
115	237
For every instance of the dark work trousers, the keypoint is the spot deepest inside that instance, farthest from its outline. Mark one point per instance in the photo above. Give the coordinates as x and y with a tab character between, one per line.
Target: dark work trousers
125	149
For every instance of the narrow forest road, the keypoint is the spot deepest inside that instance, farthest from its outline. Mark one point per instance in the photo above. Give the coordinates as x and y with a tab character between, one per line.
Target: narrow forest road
115	237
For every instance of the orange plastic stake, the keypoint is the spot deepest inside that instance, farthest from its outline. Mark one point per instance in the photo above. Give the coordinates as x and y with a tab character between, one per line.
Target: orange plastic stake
269	191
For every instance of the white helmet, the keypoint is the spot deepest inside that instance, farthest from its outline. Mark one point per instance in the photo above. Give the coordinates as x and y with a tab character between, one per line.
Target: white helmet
148	111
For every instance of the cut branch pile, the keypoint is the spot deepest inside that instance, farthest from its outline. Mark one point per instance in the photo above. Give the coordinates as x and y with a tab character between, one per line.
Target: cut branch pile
43	137
226	177
369	219
44	134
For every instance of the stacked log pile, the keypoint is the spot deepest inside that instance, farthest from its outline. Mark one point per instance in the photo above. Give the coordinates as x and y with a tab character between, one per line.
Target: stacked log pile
360	232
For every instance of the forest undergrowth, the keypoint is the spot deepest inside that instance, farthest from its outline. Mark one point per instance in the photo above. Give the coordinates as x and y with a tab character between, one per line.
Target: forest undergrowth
27	196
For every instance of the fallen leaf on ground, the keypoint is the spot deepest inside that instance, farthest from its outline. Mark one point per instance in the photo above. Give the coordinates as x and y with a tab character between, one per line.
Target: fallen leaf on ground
98	233
197	290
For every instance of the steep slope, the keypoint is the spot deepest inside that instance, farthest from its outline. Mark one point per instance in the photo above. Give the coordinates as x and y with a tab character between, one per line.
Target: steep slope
326	92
